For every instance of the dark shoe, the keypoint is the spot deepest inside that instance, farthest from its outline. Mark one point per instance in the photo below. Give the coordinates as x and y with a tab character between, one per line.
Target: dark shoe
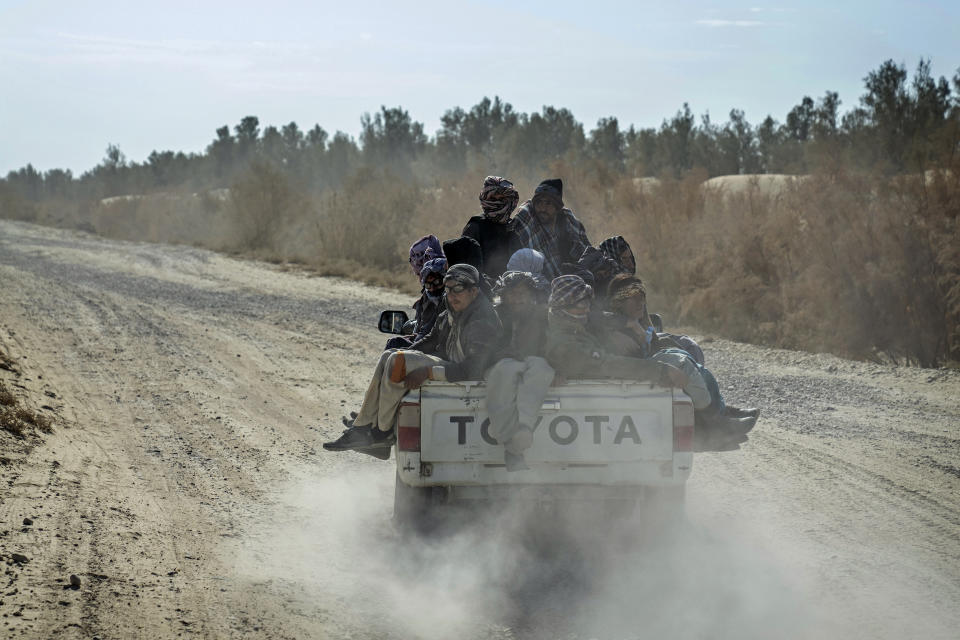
727	445
383	439
515	462
736	412
356	437
728	425
717	441
380	454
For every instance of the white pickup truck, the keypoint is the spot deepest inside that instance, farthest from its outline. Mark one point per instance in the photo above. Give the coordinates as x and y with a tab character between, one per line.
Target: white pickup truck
610	440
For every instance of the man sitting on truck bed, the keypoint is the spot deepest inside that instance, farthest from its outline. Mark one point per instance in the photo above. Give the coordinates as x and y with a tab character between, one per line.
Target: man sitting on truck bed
521	377
457	348
629	331
545	224
576	353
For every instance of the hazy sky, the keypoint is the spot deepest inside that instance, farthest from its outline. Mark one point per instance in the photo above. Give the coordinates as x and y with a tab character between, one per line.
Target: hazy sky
77	75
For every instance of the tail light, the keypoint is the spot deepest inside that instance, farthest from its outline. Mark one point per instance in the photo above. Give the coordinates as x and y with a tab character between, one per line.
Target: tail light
682	425
408	427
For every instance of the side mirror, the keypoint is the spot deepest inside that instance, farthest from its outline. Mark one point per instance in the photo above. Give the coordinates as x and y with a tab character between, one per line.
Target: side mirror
655	319
392	322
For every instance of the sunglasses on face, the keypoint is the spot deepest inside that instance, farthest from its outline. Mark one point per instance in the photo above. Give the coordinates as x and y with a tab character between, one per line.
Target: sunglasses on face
456	288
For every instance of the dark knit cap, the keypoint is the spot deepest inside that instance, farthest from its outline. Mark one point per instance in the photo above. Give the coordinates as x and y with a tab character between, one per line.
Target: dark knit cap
464	250
551	187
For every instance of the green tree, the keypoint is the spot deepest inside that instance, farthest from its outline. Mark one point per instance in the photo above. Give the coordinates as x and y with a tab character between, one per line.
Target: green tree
391	138
606	143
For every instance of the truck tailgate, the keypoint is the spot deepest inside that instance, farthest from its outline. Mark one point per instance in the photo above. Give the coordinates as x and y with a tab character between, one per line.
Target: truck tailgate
584	422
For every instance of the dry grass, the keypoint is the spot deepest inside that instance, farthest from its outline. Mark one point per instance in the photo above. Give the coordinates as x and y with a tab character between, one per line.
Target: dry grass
18	419
855	264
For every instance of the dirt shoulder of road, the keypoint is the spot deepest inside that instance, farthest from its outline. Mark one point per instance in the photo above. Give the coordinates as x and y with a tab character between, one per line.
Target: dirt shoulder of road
28	407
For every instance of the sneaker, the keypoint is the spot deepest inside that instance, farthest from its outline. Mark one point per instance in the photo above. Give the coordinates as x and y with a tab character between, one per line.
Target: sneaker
736	412
728	425
515	461
383	439
380	454
717	441
356	437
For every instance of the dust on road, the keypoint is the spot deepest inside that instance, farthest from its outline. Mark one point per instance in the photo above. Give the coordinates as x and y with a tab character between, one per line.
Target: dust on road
185	487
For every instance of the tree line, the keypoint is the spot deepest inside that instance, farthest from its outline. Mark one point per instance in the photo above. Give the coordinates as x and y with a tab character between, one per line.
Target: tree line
901	123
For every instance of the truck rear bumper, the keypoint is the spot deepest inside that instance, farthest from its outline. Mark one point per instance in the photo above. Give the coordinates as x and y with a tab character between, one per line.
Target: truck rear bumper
673	472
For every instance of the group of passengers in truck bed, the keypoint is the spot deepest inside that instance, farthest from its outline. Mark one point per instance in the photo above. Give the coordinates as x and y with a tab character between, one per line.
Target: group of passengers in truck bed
565	309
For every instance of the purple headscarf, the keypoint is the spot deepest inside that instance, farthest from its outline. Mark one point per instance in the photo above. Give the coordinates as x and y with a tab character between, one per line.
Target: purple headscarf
424	249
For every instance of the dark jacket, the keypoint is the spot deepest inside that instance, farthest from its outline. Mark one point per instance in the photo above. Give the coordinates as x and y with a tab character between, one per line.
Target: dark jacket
575	352
497	243
524	332
427	311
467	340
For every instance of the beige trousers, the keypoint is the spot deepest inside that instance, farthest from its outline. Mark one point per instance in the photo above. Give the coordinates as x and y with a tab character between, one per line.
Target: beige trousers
382	399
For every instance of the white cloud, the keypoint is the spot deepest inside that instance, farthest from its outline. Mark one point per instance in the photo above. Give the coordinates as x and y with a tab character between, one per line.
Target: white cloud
772	9
730	23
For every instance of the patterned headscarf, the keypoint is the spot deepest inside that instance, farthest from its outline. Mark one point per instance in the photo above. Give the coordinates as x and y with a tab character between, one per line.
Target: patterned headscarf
614	248
424	249
526	259
512	279
633	289
437	265
498	198
463	274
566	291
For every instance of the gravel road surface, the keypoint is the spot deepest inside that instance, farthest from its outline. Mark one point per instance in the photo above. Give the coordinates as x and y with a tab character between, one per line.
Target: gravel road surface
185	489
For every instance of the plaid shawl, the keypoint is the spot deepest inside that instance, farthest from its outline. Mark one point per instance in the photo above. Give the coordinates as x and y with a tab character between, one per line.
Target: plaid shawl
564	243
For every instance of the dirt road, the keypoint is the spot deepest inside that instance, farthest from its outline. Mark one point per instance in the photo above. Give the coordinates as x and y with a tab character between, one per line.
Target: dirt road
185	486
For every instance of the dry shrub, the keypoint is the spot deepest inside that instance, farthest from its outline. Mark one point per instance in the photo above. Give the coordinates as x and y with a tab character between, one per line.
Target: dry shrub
43	423
25	415
10	423
855	264
206	219
262	201
19	420
13	206
367	220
